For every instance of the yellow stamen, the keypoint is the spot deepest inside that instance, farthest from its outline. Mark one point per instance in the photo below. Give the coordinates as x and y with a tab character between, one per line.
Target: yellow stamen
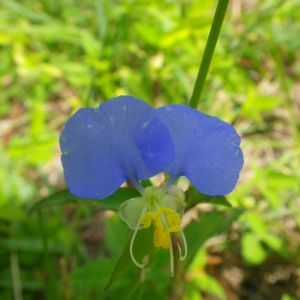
146	219
161	237
165	220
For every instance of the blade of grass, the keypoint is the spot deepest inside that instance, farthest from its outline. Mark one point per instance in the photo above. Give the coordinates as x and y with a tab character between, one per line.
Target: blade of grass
209	51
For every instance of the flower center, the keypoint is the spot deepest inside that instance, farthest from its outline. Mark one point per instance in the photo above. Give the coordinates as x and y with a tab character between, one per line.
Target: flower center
165	221
161	208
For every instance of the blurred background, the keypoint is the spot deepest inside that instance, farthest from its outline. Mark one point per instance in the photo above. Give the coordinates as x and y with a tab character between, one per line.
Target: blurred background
58	56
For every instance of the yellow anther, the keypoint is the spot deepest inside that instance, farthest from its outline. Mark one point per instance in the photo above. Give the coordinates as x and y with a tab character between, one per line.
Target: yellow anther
161	237
173	220
146	219
165	221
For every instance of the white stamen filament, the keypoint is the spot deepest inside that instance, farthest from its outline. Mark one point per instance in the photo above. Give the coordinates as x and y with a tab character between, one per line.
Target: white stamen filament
132	241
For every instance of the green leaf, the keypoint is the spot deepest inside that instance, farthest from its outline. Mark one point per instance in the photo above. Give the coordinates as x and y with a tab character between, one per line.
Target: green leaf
208	225
115	200
256	222
58	198
252	249
93	274
257	103
210	286
115	233
125	278
111	202
143	247
194	197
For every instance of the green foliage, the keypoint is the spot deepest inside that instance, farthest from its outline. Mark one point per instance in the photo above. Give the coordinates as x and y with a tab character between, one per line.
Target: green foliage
211	224
57	56
112	202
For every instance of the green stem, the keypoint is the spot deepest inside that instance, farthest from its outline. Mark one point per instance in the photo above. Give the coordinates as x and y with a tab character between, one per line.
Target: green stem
209	51
177	280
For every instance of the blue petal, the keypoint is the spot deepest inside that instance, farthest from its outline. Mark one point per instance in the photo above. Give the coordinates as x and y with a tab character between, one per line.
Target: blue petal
121	140
206	149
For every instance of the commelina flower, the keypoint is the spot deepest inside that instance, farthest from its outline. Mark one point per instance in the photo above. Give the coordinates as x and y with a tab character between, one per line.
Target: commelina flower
125	139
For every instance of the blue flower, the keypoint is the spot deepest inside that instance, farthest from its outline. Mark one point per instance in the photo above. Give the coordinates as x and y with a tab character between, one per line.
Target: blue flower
125	139
122	140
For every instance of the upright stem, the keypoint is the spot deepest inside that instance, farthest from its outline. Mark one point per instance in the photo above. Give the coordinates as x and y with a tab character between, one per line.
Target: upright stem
177	280
209	51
